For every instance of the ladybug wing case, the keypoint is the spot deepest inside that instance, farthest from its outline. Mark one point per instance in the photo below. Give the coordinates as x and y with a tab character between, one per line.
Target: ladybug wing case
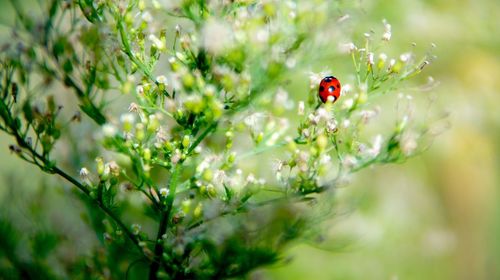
329	86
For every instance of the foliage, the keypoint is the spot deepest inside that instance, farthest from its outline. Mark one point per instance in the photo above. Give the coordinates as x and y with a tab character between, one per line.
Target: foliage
183	96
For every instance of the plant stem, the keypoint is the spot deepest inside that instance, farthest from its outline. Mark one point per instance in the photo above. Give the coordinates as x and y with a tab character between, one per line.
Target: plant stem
165	217
201	137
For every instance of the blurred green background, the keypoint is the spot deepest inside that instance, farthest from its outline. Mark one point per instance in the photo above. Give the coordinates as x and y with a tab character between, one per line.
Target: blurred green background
435	217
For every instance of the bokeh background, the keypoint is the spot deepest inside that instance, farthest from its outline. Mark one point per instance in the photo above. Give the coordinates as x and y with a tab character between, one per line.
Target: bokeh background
435	217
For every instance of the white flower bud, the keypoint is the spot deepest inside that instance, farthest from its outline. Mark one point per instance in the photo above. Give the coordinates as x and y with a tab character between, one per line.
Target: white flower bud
109	130
301	108
84	173
164	192
162	80
157	43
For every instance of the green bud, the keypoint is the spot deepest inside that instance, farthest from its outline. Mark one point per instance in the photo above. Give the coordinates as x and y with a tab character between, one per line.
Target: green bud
211	190
198	210
100	166
186	141
322	142
170	146
153	123
146	154
174	64
186	206
207	174
231	157
188	80
259	137
139	131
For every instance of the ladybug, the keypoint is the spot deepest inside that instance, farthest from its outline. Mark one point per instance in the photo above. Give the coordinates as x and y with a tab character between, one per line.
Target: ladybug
329	86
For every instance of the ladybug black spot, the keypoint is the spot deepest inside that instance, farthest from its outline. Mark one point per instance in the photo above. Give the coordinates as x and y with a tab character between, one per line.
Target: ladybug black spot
331	88
321	88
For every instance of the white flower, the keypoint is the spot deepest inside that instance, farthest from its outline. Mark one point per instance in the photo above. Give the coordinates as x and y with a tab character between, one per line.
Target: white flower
219	177
109	130
376	146
133	107
405	57
392	62
176	156
370	58
136	229
346	89
382	57
140	89
202	166
164	192
331	125
386	36
346	123
216	36
367	115
349	161
272	140
343	18
127	118
281	98
254	121
161	80
250	179
84	173
306	133
301	108
113	168
409	143
347	47
387	31
315	79
147	17
314	119
290	62
262	35
325	159
161	137
157	43
322	114
348	103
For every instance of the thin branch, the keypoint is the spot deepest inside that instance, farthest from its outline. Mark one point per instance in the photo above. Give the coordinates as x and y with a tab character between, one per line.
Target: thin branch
165	217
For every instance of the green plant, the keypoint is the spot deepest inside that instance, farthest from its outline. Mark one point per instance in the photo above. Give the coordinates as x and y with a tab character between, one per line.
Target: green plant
183	96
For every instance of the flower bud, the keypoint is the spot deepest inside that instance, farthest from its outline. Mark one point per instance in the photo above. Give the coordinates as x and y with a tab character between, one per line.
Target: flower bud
146	154
100	166
185	141
322	142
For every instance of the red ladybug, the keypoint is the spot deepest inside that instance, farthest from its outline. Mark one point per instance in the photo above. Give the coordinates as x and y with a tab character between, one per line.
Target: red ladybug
329	86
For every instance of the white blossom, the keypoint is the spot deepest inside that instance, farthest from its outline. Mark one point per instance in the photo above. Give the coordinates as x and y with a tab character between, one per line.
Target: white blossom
301	108
164	192
387	31
162	80
109	130
84	173
156	42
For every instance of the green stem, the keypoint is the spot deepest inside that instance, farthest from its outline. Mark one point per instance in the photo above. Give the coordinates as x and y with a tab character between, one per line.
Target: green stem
165	218
201	137
127	49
